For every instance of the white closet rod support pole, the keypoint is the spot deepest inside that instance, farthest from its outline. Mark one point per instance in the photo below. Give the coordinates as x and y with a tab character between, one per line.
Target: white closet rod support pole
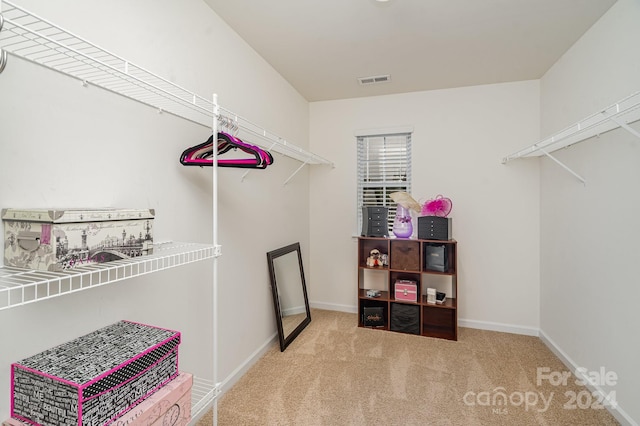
216	305
294	173
3	53
625	126
561	164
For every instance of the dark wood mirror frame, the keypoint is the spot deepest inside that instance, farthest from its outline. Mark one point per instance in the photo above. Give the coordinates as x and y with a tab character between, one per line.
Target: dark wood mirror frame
282	291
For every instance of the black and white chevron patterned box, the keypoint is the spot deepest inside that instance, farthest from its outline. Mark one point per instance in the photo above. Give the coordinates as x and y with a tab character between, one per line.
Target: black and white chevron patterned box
96	378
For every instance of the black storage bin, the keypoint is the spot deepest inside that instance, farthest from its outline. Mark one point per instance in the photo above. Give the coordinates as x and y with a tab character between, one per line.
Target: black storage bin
375	222
434	228
405	318
373	316
435	257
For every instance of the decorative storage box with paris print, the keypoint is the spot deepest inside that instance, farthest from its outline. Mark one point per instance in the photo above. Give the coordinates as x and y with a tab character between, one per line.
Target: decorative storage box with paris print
95	378
54	240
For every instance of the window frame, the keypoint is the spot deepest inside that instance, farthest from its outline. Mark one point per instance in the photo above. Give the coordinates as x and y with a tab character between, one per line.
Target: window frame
387	166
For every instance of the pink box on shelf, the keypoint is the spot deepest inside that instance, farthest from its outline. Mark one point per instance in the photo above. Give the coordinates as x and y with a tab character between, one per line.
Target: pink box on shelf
95	378
179	413
170	405
13	422
406	290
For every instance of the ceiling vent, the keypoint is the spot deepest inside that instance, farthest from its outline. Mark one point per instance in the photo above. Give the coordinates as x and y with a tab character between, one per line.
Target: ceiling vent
364	81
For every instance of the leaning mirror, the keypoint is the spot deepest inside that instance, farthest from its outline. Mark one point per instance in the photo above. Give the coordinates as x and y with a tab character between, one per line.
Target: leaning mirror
290	300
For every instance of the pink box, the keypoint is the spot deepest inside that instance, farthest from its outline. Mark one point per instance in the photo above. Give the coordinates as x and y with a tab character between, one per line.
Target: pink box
96	378
160	409
406	290
170	405
179	414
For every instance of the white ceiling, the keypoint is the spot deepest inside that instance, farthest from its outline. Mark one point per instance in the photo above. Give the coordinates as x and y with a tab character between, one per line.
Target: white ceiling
322	46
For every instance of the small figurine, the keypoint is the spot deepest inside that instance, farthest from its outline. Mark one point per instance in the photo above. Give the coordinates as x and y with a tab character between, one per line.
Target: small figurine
374	258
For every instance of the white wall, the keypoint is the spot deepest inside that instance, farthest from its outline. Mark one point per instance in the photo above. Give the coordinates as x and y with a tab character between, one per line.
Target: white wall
57	138
589	233
459	139
65	145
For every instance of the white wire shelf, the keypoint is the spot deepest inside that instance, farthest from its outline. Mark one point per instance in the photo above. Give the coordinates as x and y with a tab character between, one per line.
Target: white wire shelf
203	393
20	286
269	141
37	40
620	114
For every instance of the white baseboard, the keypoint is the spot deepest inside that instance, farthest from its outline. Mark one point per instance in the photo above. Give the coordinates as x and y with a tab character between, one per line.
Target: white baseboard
236	374
616	411
496	326
334	307
481	325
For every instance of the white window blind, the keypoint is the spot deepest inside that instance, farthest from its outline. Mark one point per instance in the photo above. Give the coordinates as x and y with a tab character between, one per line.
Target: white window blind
384	166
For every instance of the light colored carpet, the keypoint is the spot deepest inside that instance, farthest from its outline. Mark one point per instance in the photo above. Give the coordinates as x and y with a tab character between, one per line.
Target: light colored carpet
335	373
291	322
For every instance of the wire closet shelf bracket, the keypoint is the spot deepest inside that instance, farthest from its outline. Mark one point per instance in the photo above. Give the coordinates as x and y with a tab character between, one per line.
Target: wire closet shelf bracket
620	114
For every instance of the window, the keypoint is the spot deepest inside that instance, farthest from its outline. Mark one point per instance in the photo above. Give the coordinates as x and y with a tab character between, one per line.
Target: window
384	166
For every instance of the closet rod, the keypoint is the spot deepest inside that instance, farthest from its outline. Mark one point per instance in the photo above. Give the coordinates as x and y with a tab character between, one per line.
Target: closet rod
279	144
37	40
620	114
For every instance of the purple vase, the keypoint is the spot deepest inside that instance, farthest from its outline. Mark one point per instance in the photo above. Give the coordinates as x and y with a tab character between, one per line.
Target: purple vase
402	226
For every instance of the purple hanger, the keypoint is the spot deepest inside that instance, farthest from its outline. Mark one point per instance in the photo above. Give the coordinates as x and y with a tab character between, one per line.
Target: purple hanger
200	155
